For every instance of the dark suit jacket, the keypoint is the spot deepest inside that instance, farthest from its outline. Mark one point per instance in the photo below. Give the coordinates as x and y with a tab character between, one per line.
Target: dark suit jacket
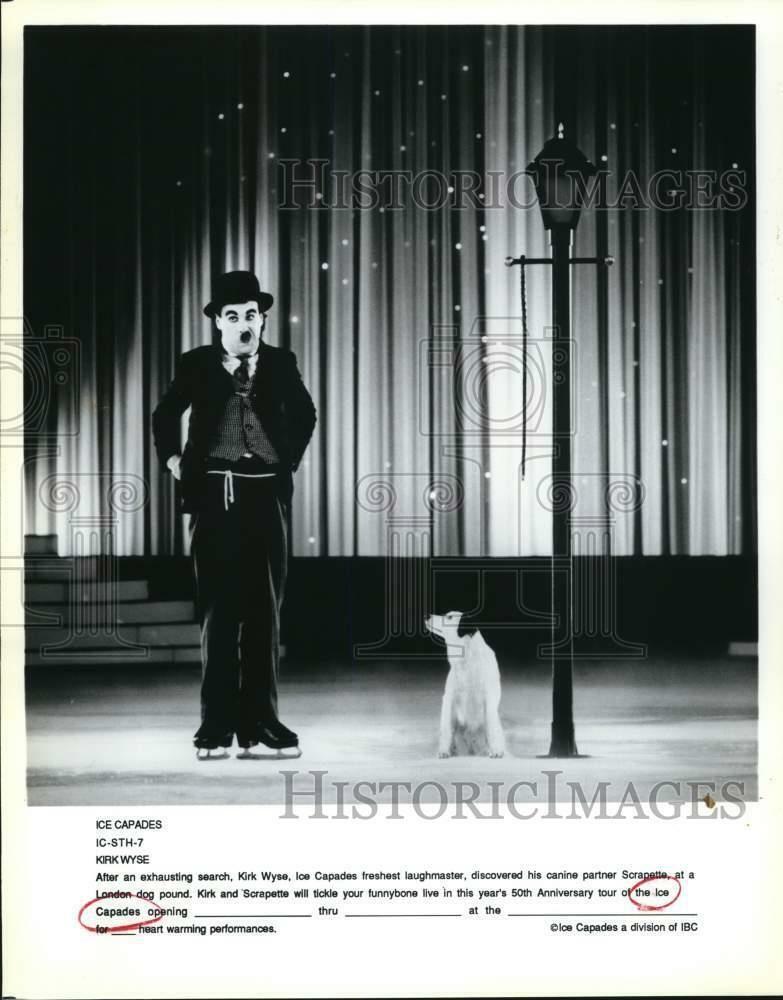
278	396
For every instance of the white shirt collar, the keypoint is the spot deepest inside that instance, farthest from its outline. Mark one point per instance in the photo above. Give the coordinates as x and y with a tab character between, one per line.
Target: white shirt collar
231	362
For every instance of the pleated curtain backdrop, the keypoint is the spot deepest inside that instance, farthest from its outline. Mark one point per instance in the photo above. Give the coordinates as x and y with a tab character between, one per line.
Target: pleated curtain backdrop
156	159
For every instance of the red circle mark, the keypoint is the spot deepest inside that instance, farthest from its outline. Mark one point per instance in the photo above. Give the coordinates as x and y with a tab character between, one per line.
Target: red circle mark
655	878
120	927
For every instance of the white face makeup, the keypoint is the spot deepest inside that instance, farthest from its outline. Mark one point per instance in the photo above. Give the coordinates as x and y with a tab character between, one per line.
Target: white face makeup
241	326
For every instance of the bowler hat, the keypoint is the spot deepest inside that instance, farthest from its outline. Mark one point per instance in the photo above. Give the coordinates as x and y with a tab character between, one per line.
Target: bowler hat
237	286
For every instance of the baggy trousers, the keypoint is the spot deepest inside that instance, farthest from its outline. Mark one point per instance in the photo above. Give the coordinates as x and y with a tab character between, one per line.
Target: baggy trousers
239	547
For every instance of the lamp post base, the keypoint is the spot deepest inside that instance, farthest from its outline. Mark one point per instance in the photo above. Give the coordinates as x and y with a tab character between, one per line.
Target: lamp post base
563	743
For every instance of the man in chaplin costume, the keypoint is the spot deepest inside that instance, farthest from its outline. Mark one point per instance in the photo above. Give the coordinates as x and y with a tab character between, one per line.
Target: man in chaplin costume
251	419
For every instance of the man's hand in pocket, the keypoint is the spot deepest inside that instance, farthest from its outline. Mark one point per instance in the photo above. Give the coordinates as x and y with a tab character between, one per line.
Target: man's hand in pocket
175	465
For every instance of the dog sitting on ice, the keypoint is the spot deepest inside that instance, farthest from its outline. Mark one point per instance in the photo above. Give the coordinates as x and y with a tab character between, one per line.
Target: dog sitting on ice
469	719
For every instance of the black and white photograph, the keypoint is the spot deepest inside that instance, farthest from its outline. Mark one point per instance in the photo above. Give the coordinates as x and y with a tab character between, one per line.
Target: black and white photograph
389	547
390	408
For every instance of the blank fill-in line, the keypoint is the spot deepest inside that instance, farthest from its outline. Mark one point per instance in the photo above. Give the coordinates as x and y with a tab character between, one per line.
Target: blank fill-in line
402	914
251	916
588	914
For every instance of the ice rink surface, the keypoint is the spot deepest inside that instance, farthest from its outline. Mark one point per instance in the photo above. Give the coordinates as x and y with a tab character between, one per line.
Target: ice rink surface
122	736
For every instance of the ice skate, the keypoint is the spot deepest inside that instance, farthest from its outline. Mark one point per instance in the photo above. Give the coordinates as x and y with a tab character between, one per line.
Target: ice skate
211	746
211	753
282	753
282	743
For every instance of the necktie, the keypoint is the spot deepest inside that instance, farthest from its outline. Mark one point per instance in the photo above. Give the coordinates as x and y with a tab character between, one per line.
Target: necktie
243	373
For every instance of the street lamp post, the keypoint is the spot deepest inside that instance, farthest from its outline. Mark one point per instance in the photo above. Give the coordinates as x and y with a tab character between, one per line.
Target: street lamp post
560	172
562	743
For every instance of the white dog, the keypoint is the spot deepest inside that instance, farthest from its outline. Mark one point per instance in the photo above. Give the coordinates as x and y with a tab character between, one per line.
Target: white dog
469	720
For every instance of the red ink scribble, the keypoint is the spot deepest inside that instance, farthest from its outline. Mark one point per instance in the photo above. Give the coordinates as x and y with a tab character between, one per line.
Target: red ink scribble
655	878
118	903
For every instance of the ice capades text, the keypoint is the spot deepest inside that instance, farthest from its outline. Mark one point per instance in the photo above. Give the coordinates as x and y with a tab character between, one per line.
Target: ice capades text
308	795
